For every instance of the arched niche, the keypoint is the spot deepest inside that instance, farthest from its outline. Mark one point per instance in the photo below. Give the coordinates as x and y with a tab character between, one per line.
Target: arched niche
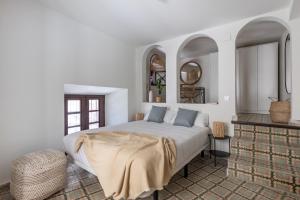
202	50
263	65
154	71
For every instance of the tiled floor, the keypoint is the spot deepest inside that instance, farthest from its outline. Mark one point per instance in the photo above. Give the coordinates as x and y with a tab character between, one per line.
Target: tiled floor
204	182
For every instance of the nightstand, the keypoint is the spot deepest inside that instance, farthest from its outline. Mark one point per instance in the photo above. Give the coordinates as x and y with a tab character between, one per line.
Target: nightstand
138	116
217	153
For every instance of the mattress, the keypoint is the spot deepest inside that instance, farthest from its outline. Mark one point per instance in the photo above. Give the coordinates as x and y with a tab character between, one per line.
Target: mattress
189	141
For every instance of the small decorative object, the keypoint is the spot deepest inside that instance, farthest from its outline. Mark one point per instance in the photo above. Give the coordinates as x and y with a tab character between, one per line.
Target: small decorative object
38	175
138	116
160	88
280	111
218	129
158	99
150	96
157	63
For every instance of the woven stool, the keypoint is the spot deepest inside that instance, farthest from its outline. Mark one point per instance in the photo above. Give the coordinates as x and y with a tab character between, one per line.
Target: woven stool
38	175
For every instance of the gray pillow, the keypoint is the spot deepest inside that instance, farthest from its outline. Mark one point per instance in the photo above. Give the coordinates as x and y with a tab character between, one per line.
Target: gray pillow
185	117
157	114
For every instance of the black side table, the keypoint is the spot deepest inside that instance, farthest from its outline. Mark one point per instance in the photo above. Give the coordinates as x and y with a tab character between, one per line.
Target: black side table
217	153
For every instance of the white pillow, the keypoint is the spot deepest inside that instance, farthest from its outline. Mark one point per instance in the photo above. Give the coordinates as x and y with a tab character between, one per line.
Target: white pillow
201	120
170	116
146	116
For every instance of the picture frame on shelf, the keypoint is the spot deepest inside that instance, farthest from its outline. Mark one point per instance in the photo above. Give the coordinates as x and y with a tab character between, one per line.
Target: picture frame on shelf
161	75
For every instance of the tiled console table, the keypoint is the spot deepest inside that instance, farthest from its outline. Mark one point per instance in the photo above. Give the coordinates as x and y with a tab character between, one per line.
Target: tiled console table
266	153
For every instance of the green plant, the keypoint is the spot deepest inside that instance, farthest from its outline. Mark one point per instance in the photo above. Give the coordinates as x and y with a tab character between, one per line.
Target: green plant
159	86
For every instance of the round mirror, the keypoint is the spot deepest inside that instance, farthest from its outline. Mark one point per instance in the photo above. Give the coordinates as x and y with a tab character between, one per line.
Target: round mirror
190	73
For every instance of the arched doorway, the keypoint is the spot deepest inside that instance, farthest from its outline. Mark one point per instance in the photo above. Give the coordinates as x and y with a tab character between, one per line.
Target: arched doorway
263	65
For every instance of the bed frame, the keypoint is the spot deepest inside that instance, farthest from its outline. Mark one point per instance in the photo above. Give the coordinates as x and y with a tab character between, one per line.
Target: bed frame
185	174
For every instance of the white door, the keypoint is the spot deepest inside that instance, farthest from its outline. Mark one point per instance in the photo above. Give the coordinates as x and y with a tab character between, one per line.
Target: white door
247	80
267	76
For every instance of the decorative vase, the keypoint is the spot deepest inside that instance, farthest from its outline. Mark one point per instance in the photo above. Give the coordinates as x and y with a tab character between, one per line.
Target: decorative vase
150	96
158	99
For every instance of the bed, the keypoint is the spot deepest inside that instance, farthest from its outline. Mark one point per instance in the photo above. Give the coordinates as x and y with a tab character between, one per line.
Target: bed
189	141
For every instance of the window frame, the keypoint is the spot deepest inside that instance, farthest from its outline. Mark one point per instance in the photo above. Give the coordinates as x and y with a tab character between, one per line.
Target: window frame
84	110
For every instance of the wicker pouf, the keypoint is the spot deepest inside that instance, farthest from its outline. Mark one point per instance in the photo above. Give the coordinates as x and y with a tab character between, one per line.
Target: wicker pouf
38	175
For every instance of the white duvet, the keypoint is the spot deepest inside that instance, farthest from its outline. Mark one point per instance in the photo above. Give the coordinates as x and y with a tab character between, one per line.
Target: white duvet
189	141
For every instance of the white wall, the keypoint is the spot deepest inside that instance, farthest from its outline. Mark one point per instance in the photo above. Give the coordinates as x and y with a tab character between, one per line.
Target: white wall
225	36
116	107
40	51
295	40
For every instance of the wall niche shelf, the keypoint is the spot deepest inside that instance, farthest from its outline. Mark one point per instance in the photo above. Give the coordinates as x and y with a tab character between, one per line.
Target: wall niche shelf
155	76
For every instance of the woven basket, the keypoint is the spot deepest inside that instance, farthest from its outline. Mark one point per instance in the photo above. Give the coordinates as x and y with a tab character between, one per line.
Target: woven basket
38	175
280	111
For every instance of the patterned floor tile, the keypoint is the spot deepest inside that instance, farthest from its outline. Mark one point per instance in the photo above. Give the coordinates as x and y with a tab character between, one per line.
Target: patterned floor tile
194	177
163	194
236	197
73	186
196	189
186	195
173	198
204	182
174	188
76	194
271	193
260	197
89	181
210	196
222	192
201	173
253	187
97	196
246	193
228	185
93	188
214	179
184	182
289	198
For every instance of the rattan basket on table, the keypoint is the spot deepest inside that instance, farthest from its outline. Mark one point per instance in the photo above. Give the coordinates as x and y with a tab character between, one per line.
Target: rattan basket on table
38	175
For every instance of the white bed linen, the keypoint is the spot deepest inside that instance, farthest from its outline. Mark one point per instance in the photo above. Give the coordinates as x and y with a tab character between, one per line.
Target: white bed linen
189	141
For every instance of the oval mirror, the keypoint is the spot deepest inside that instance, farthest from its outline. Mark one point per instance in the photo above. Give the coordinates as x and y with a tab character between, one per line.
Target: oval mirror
190	73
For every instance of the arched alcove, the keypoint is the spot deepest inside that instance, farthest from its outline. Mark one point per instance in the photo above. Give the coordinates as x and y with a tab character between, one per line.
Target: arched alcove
197	52
154	75
263	65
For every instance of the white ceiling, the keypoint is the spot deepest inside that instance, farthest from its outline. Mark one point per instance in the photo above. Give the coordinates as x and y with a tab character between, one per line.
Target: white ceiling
147	21
198	47
260	32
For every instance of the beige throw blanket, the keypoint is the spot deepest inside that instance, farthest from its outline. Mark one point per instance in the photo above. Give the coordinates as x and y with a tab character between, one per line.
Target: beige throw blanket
128	164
